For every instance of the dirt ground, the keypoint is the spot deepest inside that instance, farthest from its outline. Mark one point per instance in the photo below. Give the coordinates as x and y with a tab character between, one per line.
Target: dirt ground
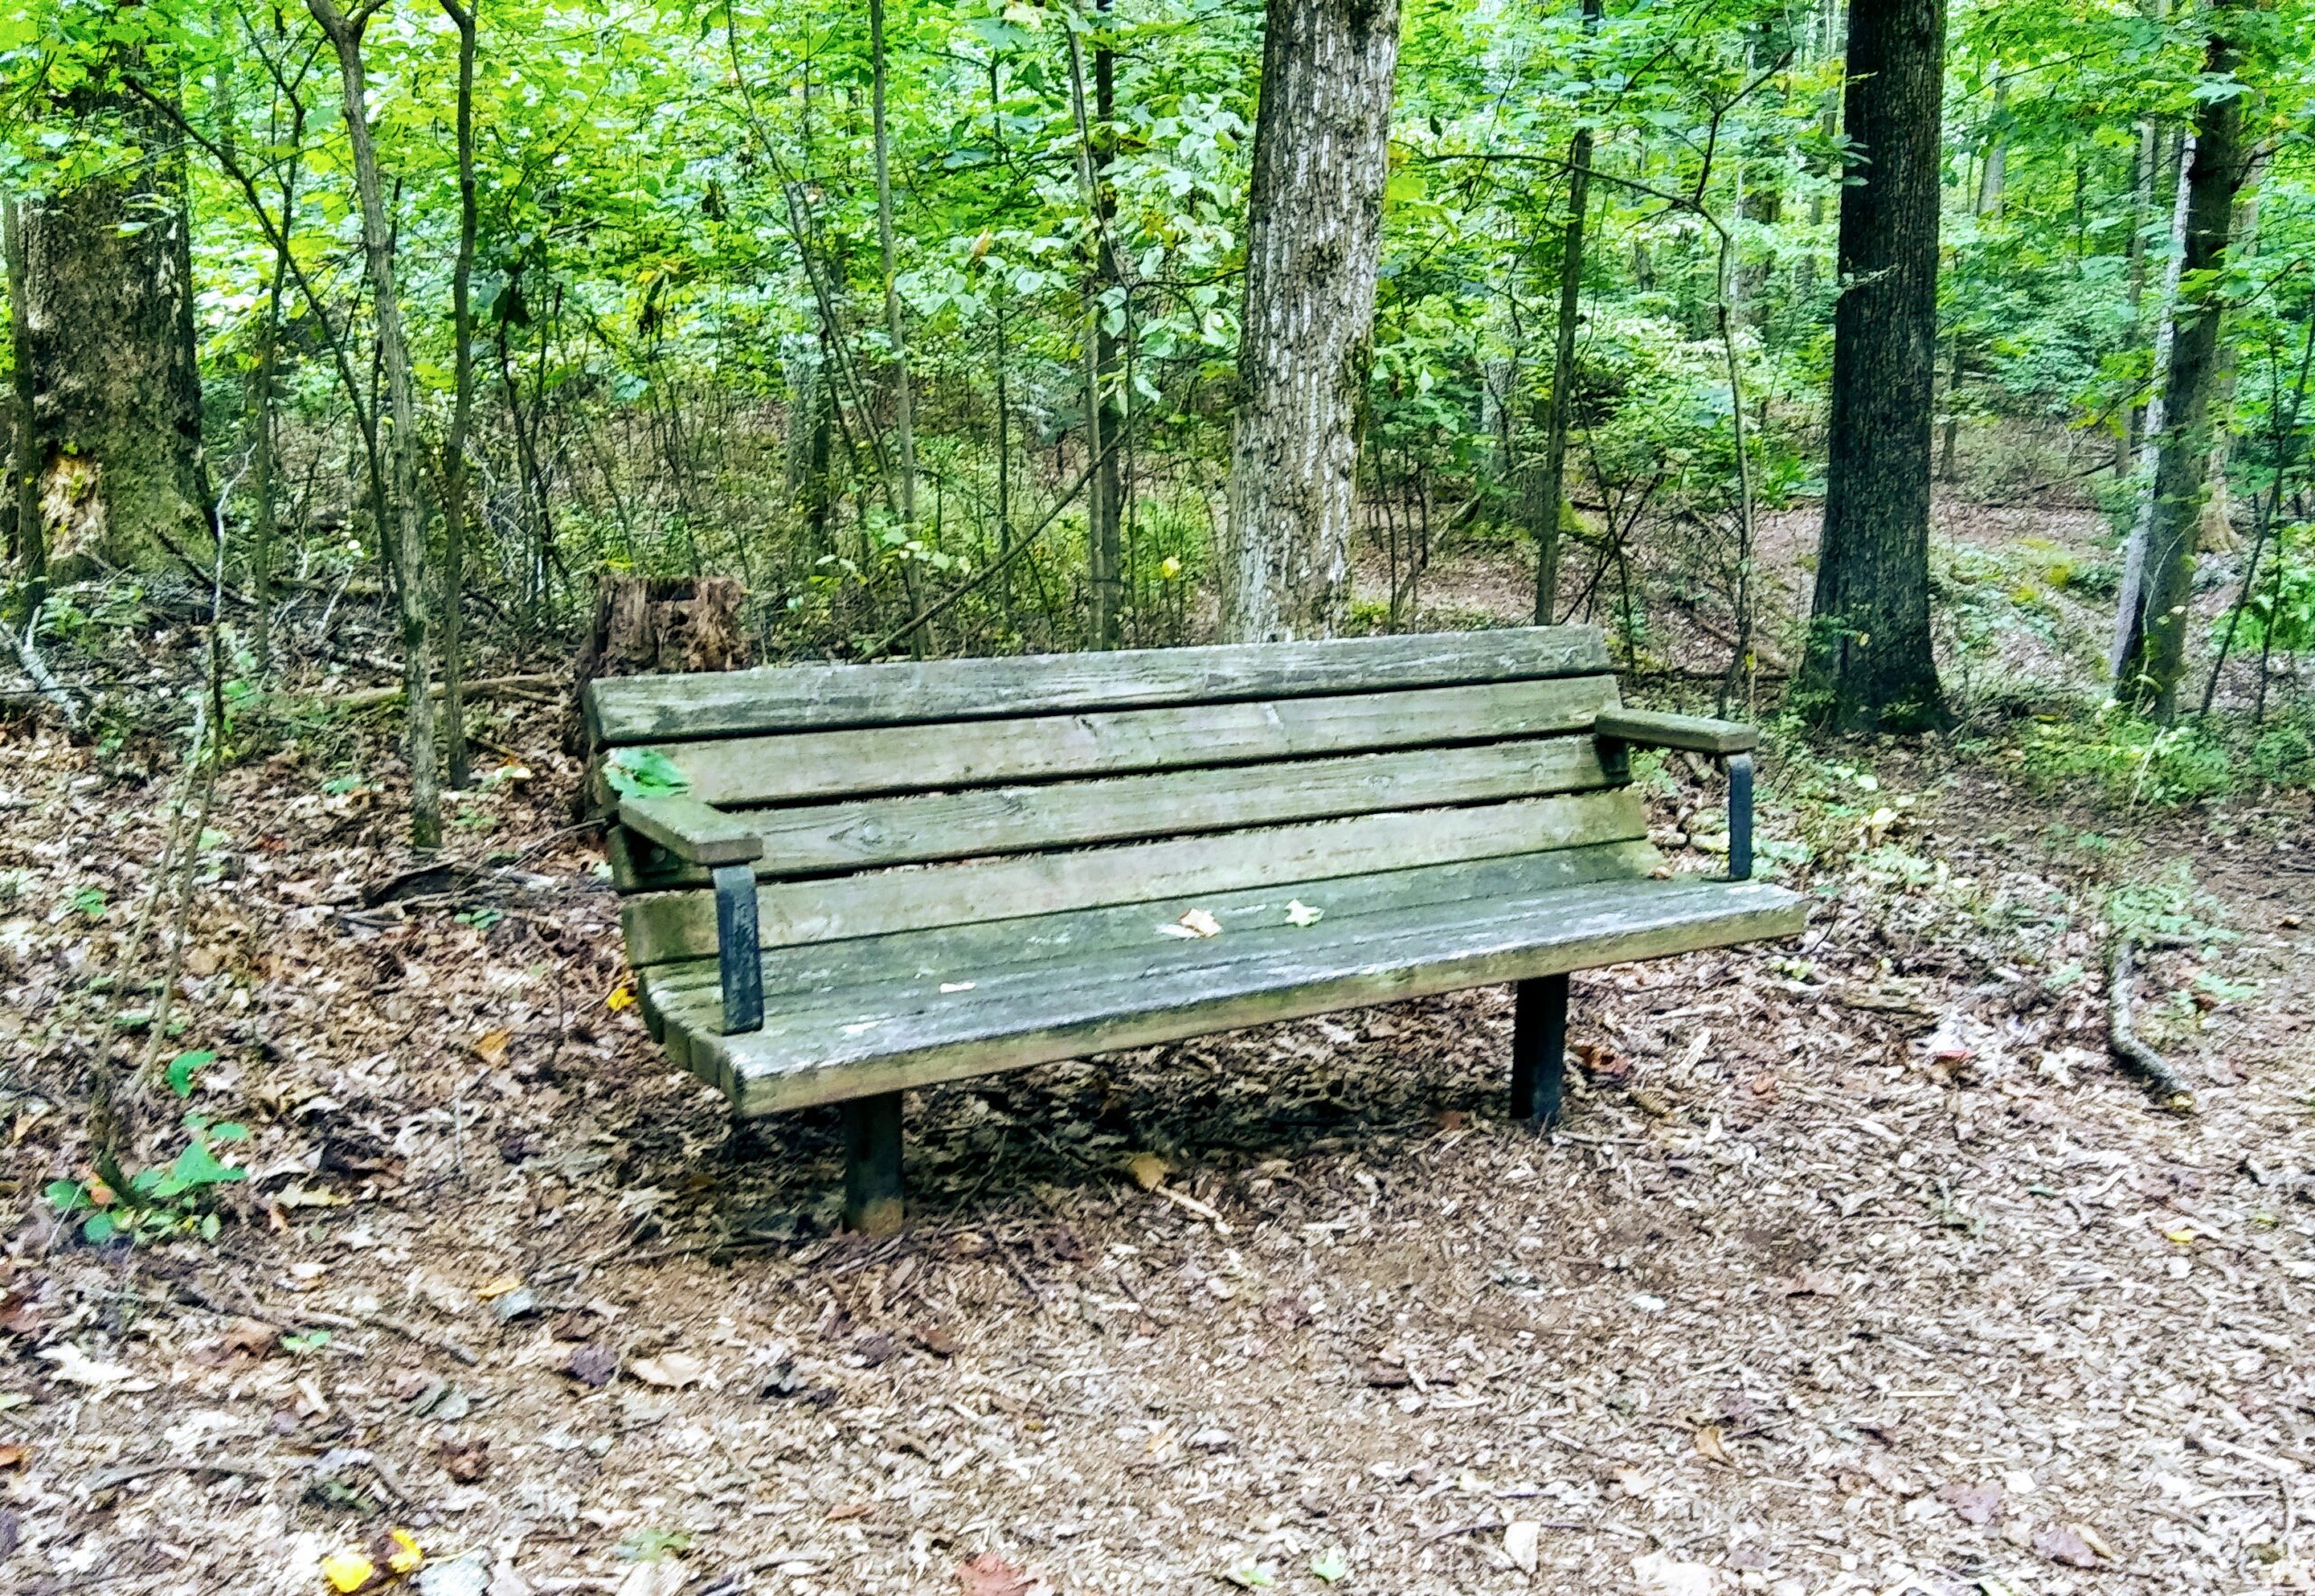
1857	1266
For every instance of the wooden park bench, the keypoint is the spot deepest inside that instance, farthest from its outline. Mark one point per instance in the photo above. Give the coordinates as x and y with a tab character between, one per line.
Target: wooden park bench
842	882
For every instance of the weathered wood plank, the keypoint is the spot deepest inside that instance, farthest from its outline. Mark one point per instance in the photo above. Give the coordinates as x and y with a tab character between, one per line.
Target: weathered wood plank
816	698
987	951
795	767
867	833
662	926
838	1053
1694	734
692	830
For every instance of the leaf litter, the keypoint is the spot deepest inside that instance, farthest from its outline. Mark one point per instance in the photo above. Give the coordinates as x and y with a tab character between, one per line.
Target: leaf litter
1943	1303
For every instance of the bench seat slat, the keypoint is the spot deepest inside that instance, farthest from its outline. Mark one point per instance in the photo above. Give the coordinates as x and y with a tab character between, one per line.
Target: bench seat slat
972	950
805	697
798	767
857	1041
864	834
662	926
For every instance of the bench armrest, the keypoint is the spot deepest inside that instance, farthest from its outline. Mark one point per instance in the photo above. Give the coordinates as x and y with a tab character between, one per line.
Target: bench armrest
699	834
1726	740
1694	733
694	832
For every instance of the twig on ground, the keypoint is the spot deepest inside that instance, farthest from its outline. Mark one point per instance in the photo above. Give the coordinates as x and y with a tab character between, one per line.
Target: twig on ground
2124	1040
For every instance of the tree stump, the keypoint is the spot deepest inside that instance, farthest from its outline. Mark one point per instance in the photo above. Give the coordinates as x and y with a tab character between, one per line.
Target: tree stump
646	625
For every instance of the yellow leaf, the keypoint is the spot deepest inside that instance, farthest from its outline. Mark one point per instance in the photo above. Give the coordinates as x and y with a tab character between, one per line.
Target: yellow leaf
1148	1170
406	1555
498	1286
491	1045
2182	1235
621	997
347	1570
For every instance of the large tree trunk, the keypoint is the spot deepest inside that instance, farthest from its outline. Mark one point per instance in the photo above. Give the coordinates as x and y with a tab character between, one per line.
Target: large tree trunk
2150	631
1313	236
107	324
409	541
1870	665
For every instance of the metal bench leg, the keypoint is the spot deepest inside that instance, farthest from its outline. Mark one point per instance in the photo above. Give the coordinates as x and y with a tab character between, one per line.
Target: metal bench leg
872	1164
1538	1048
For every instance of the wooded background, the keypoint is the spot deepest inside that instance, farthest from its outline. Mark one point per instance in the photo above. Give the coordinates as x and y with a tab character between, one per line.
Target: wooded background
984	326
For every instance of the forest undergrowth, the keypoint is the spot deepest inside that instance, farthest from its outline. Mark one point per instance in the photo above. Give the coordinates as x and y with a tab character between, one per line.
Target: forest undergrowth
1858	1264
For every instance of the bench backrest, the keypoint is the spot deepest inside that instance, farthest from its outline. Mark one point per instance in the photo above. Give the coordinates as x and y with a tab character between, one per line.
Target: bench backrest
907	795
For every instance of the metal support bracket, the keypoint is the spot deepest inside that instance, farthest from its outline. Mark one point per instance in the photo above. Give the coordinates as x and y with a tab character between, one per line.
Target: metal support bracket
739	957
1740	817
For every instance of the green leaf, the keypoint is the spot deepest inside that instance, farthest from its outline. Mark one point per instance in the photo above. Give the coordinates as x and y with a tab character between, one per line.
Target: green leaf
1331	1564
181	1069
66	1195
99	1229
645	773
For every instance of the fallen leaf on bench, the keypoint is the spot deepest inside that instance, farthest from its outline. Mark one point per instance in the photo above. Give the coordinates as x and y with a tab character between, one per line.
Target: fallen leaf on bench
1195	922
1298	912
1148	1170
672	1369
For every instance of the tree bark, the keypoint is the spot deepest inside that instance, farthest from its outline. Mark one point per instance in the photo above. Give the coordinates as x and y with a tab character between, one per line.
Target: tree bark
29	546
1104	495
456	754
1313	238
904	401
107	342
1870	665
1548	500
409	533
2150	631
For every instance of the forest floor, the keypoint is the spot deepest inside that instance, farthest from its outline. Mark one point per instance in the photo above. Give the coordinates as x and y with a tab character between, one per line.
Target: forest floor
1856	1267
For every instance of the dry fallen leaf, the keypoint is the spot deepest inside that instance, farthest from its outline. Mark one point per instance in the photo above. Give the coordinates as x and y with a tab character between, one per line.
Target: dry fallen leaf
2064	1544
498	1286
347	1570
77	1368
1298	912
1713	1447
1659	1574
1148	1170
1199	923
593	1364
1972	1503
991	1575
1522	1543
491	1045
12	1456
673	1369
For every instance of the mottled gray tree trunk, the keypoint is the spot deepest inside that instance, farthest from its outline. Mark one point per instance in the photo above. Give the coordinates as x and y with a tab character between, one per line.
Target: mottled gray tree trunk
2150	632
409	543
1313	234
107	337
